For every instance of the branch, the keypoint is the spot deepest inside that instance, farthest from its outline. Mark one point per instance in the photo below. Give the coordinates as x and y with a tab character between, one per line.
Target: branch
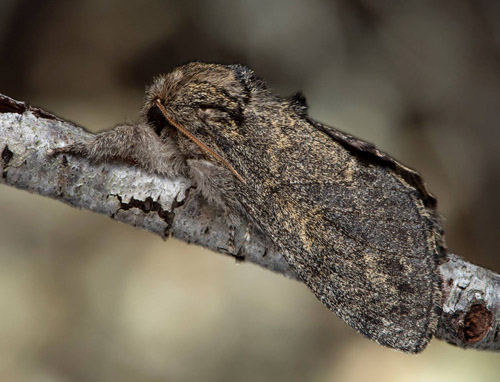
124	193
471	312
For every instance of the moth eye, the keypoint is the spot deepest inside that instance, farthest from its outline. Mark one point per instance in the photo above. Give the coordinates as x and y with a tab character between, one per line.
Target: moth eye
207	111
212	113
204	108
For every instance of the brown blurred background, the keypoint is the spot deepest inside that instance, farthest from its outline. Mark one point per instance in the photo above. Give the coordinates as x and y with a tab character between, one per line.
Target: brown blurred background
83	298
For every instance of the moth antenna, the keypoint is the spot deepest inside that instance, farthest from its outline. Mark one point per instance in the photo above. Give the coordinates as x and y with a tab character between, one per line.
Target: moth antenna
199	143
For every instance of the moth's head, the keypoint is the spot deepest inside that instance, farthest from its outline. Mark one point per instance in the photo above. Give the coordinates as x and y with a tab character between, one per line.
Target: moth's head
203	102
198	93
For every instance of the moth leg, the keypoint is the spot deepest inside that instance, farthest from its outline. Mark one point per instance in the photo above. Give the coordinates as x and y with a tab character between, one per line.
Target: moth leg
137	144
216	185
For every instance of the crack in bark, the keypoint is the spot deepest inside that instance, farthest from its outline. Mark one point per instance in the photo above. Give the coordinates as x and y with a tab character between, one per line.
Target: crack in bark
149	205
240	254
7	155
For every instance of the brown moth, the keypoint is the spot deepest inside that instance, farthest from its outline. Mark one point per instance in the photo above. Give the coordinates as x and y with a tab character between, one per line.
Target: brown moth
359	228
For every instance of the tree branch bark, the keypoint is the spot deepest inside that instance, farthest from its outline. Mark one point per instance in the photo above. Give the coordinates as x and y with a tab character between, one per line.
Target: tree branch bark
471	310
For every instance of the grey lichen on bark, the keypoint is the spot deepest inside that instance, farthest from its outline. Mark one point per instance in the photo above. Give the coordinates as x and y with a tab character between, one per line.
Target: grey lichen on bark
170	207
471	308
163	206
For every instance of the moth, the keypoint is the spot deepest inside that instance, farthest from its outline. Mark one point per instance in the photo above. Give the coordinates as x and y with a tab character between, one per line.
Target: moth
359	228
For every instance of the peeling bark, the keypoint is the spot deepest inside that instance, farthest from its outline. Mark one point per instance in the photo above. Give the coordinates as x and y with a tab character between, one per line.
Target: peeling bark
471	310
124	193
169	207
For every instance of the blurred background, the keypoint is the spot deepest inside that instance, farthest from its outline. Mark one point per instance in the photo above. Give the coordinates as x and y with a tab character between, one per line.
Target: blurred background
84	298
